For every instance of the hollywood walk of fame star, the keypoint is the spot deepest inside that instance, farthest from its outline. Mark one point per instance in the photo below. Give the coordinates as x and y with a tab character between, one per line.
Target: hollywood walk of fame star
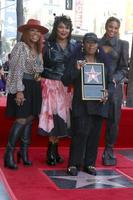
92	75
83	179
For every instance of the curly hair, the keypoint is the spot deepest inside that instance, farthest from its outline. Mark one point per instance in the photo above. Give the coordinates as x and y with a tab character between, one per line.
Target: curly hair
58	19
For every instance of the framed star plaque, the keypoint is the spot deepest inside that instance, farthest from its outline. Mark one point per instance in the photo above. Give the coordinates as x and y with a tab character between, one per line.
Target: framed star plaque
93	81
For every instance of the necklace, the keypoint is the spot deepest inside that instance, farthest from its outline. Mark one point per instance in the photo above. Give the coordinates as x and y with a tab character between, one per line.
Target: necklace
90	59
34	52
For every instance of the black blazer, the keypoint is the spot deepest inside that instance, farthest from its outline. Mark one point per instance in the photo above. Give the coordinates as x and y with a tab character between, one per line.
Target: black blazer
72	76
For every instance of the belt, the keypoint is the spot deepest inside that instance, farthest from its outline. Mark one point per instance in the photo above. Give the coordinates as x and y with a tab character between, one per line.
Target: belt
28	76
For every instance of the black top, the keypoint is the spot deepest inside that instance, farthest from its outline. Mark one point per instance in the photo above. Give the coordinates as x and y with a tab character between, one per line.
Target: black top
55	59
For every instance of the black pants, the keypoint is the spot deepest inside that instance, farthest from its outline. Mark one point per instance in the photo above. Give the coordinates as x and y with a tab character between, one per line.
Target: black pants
85	140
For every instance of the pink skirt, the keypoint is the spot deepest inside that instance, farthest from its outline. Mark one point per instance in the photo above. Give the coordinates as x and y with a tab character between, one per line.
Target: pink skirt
56	101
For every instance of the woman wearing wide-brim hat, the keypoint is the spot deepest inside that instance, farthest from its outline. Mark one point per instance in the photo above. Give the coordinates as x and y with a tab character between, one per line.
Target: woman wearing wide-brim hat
24	90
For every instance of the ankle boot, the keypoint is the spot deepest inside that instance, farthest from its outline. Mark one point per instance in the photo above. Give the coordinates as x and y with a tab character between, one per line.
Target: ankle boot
25	141
13	138
59	159
108	157
51	159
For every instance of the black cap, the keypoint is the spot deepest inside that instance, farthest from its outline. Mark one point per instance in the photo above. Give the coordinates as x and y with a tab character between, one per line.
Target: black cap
90	37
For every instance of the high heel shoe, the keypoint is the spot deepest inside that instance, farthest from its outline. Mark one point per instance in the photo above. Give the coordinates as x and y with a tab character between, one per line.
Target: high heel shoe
108	158
58	158
10	165
51	157
9	161
9	158
24	157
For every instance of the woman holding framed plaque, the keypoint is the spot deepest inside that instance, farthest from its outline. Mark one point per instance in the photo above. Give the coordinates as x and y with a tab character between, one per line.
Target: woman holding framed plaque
118	56
87	115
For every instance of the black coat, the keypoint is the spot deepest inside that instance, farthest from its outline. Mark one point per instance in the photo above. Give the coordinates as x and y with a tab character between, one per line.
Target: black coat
73	76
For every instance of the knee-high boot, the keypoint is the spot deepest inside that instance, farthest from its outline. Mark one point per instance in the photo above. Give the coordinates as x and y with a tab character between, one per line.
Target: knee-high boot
13	138
25	141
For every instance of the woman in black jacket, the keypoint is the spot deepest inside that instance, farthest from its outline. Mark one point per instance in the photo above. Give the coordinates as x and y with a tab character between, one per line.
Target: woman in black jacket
54	119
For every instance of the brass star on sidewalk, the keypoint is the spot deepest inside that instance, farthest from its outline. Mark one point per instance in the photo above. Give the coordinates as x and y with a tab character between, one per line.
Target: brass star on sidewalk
105	178
83	179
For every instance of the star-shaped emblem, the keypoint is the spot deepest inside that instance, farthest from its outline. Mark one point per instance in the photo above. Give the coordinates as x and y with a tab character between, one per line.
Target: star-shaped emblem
83	179
105	178
92	75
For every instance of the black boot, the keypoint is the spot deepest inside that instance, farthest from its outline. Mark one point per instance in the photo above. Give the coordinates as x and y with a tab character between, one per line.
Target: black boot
108	157
13	138
25	141
51	158
59	159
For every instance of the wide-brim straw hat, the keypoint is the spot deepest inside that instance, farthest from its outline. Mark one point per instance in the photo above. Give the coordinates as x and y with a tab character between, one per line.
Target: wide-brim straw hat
33	23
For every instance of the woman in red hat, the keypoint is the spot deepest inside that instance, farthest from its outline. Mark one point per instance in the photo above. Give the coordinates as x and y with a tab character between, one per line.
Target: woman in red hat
24	90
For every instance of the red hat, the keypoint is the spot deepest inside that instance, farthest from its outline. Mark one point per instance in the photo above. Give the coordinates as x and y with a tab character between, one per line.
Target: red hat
33	23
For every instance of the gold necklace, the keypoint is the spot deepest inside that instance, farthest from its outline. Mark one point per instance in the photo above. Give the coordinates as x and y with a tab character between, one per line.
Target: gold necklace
90	59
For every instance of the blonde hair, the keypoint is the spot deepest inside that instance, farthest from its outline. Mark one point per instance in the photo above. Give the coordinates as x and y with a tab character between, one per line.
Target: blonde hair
25	38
